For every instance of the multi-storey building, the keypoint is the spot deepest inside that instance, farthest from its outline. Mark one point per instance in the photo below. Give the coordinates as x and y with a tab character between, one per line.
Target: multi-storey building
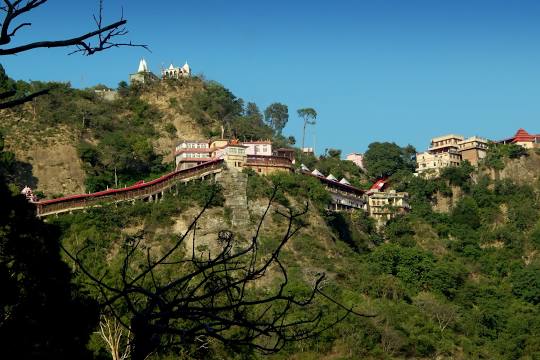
473	149
384	205
262	148
450	150
191	153
257	155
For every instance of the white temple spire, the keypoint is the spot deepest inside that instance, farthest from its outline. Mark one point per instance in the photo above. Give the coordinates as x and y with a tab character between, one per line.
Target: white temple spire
143	67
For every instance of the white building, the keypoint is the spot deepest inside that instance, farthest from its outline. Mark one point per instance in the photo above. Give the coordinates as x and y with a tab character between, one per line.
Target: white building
143	74
262	148
173	72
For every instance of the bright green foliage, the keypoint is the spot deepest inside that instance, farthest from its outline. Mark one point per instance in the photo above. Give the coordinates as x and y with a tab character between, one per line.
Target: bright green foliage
410	265
6	83
526	283
498	152
466	213
214	103
121	131
458	175
332	164
385	159
301	186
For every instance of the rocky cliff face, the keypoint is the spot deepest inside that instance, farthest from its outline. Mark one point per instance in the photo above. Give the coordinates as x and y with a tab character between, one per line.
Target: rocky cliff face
47	158
525	170
170	101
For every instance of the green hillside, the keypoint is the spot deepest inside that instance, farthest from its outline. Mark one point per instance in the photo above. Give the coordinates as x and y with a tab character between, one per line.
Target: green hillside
456	278
457	285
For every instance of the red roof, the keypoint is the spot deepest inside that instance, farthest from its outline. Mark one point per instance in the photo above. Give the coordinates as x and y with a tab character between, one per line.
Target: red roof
522	136
379	184
138	185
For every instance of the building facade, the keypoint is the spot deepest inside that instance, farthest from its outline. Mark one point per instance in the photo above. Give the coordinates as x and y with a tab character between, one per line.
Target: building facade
384	205
473	149
450	150
357	159
263	147
257	155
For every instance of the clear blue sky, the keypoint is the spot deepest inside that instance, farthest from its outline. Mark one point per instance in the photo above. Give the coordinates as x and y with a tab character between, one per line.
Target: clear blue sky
377	70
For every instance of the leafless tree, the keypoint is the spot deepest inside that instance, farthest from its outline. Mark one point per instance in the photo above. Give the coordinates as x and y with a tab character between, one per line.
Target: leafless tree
115	336
103	37
215	296
443	313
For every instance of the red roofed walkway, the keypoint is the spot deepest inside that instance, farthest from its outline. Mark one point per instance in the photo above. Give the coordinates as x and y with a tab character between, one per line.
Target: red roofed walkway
149	190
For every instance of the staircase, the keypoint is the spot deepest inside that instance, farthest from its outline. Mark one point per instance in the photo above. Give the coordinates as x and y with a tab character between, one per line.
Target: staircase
234	185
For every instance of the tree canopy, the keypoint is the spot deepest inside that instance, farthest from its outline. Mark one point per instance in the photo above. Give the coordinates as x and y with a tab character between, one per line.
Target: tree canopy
384	159
276	116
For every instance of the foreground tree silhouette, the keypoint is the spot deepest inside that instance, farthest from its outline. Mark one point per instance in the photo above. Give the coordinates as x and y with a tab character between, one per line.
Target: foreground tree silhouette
209	295
42	314
103	37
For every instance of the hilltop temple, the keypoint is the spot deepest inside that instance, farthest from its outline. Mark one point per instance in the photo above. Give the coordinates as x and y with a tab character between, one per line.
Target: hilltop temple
144	75
173	72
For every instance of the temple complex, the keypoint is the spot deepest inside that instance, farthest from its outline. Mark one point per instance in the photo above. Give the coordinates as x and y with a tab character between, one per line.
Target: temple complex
174	72
524	139
144	75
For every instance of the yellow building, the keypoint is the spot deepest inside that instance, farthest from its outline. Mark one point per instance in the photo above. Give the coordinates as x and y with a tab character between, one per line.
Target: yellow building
384	205
450	150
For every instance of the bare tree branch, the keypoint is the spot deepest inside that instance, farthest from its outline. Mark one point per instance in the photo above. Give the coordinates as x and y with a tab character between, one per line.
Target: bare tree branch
105	34
211	298
21	100
105	37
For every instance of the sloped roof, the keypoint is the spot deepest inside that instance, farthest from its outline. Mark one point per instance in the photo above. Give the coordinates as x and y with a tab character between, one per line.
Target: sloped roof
521	136
379	185
331	177
317	173
344	181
